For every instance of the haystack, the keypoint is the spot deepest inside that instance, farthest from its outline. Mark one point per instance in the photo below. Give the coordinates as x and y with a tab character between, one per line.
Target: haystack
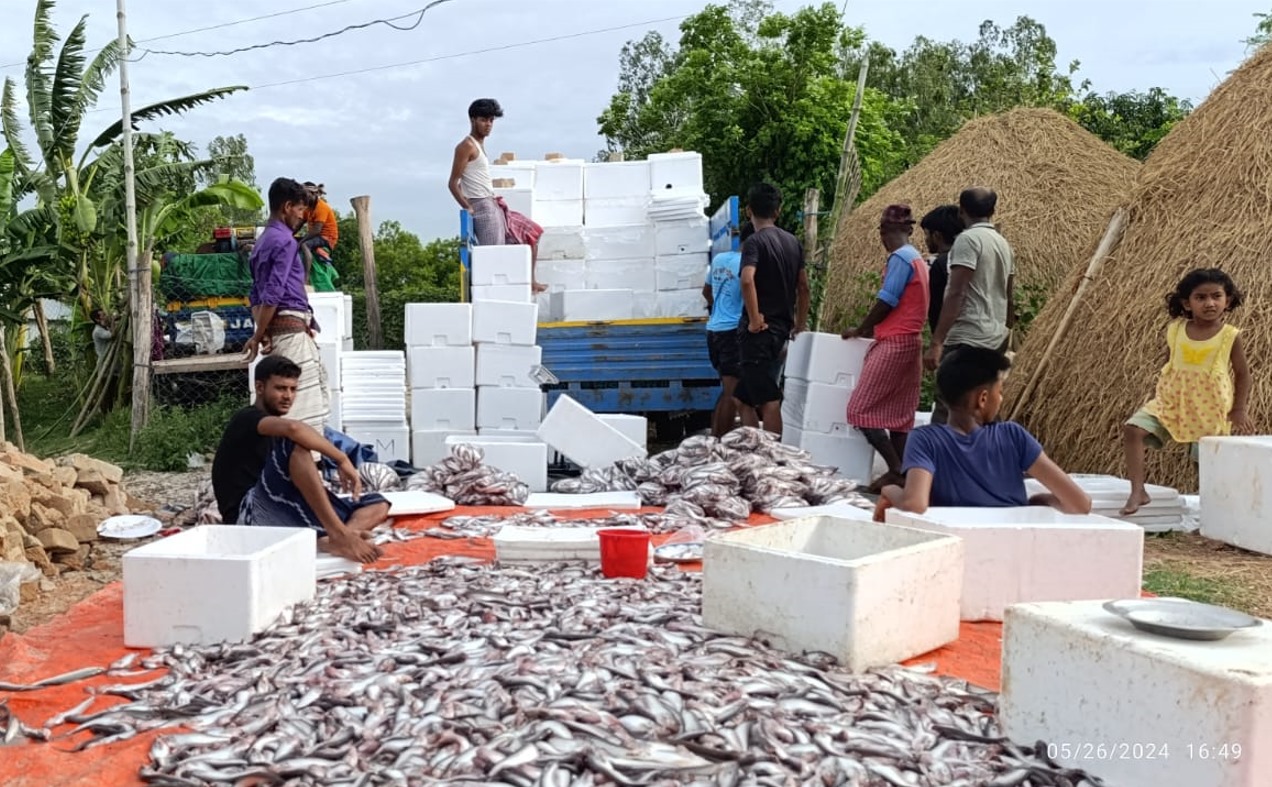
1057	186
1203	199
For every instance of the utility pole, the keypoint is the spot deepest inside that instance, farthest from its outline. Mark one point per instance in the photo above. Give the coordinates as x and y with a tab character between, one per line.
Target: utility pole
138	279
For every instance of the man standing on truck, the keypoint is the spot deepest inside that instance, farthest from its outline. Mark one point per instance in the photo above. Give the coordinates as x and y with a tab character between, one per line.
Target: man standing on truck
470	184
775	295
280	308
723	291
320	244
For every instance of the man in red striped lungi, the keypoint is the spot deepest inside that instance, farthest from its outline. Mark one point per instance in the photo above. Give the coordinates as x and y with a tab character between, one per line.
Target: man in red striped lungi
887	394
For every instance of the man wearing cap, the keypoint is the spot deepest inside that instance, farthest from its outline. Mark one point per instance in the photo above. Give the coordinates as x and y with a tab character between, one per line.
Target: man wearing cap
978	309
884	401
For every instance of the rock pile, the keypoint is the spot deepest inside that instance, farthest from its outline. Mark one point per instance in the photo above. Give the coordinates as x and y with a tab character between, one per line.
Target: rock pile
50	509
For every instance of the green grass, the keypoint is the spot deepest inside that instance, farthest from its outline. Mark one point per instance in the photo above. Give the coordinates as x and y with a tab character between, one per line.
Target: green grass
1173	580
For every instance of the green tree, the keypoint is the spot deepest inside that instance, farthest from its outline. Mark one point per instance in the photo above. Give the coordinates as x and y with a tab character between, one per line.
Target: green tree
1262	31
761	95
1132	122
231	159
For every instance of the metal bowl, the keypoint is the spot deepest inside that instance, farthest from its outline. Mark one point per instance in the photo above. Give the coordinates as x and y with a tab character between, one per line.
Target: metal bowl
1181	618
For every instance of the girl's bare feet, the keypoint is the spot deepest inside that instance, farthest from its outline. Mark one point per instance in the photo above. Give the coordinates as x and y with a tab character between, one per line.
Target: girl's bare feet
1137	499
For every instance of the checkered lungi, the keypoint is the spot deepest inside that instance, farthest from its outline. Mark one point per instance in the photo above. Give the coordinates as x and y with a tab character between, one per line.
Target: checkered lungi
489	221
887	394
313	399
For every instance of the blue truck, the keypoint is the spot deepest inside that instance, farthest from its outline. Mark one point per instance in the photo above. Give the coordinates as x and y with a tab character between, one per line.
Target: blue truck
658	368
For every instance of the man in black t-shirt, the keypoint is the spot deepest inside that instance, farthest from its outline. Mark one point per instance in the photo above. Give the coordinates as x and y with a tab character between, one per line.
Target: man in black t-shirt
941	226
266	458
775	307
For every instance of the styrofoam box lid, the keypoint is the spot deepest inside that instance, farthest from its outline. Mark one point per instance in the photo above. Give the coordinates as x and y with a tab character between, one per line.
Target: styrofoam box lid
841	510
1033	516
557	536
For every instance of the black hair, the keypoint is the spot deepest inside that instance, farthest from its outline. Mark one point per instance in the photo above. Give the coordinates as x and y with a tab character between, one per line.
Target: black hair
1177	301
745	231
979	203
93	314
944	220
764	200
485	108
277	366
966	370
285	190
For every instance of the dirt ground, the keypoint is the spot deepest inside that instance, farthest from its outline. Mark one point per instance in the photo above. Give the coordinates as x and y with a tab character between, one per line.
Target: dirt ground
102	565
1183	564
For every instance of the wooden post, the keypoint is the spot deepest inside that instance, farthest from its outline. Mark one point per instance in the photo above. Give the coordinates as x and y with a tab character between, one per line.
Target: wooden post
10	390
812	201
366	238
42	326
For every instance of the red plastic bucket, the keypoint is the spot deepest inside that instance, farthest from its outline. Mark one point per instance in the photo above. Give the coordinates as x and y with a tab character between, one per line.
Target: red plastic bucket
624	553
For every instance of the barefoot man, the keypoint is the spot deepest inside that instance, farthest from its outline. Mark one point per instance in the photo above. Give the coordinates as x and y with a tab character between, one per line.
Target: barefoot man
494	223
264	472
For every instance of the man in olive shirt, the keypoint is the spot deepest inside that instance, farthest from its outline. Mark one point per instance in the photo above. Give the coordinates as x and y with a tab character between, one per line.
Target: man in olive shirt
977	310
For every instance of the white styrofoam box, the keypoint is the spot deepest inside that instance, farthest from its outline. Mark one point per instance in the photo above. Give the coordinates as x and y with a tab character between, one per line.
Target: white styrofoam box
413	502
442	367
524	435
549	303
558	214
850	452
826	358
619	243
616	179
444	410
516	293
428	447
346	344
585	439
596	305
439	324
517	544
561	179
561	243
688	236
518	198
836	510
1236	491
681	303
922	419
509	408
520	172
868	594
677	172
329	310
391	443
506	366
215	583
500	265
329	356
682	271
348	324
633	427
527	460
376	360
335	412
615	212
628	501
504	322
669	206
816	407
561	274
637	275
1136	709
1036	553
644	305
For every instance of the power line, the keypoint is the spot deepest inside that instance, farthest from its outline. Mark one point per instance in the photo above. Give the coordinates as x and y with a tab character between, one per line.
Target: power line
220	26
390	22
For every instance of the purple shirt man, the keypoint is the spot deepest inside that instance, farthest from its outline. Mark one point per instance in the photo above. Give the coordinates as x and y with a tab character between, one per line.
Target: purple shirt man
278	275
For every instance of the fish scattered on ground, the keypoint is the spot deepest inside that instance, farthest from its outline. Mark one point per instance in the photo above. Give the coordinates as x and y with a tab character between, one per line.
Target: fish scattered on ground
463	478
462	673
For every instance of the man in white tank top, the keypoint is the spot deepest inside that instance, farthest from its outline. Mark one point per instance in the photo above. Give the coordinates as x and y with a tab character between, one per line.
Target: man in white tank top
470	184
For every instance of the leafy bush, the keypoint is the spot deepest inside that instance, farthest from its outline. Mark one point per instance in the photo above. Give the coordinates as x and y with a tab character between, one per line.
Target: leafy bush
174	433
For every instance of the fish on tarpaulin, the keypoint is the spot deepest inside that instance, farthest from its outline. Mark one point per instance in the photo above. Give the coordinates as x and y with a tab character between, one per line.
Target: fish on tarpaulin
458	672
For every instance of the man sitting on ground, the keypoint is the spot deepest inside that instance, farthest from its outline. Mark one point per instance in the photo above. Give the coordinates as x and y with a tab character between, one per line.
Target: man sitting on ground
973	460
264	472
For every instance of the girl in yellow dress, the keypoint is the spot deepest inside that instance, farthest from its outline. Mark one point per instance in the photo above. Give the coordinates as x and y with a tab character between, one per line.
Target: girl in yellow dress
1205	385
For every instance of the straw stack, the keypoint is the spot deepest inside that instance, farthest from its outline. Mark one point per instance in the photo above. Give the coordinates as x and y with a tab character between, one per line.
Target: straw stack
1057	186
1204	199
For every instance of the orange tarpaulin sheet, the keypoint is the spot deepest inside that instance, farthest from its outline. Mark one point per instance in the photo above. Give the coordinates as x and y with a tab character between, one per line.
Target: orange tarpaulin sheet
92	634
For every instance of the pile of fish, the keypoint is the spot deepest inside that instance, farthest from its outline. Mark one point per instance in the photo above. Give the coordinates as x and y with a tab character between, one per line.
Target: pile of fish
463	477
746	470
486	526
465	673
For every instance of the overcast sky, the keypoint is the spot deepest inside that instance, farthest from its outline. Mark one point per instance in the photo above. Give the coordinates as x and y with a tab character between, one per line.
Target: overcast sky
390	132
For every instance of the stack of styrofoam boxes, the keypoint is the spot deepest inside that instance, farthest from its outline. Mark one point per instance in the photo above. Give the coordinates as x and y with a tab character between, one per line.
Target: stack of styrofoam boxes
520	195
441	364
821	372
373	387
682	234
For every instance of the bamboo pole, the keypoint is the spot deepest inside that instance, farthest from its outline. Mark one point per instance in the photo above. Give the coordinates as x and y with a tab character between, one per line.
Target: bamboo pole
812	202
1112	236
10	390
42	327
366	238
